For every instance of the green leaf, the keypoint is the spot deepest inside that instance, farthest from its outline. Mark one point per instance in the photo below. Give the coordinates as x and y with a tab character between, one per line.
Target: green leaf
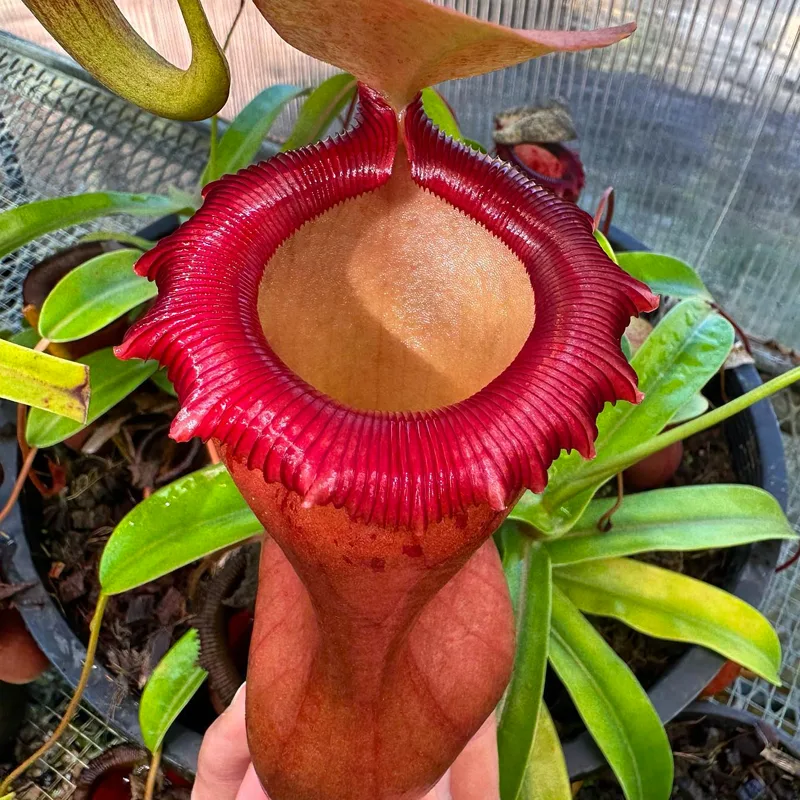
110	381
513	547
668	605
664	274
44	382
615	708
606	245
196	515
439	113
92	295
682	518
27	222
517	726
172	685
27	337
675	361
324	104
241	141
160	379
547	777
118	236
697	405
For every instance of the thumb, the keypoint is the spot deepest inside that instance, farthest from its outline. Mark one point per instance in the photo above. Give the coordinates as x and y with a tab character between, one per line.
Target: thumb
224	755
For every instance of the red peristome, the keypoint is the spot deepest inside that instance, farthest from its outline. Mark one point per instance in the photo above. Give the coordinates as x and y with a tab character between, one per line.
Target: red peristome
393	469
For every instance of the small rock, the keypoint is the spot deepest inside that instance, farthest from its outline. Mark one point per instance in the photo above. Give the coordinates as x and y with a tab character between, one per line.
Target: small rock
752	790
713	737
689	789
733	758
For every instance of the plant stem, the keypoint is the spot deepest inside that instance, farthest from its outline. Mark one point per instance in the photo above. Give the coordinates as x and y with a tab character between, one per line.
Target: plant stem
233	26
118	236
212	146
611	467
606	205
20	482
75	700
604	524
213	453
348	117
152	775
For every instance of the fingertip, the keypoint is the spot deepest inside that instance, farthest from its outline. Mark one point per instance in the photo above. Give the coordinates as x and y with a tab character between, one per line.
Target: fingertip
224	755
251	788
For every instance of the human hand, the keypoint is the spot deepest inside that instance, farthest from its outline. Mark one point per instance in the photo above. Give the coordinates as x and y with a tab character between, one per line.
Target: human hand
225	772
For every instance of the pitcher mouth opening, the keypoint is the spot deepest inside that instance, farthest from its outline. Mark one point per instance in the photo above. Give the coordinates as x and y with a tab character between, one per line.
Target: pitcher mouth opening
234	333
396	301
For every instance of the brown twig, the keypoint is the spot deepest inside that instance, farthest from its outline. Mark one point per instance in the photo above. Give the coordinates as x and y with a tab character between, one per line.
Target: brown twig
604	524
20	482
606	205
744	338
24	448
348	117
233	25
213	453
22	420
793	559
184	464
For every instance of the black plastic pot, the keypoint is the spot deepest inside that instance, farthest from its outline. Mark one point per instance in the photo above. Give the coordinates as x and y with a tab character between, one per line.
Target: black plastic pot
44	620
738	717
713	729
757	453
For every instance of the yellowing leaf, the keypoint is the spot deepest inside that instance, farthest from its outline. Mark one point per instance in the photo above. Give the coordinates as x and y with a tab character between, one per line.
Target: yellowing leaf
44	381
110	379
547	777
668	605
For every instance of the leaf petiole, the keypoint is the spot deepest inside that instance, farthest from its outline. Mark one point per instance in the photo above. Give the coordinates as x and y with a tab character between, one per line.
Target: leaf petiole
677	434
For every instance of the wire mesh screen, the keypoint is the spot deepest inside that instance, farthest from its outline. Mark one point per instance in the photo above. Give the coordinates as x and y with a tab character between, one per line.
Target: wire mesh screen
694	120
781	705
53	777
61	135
